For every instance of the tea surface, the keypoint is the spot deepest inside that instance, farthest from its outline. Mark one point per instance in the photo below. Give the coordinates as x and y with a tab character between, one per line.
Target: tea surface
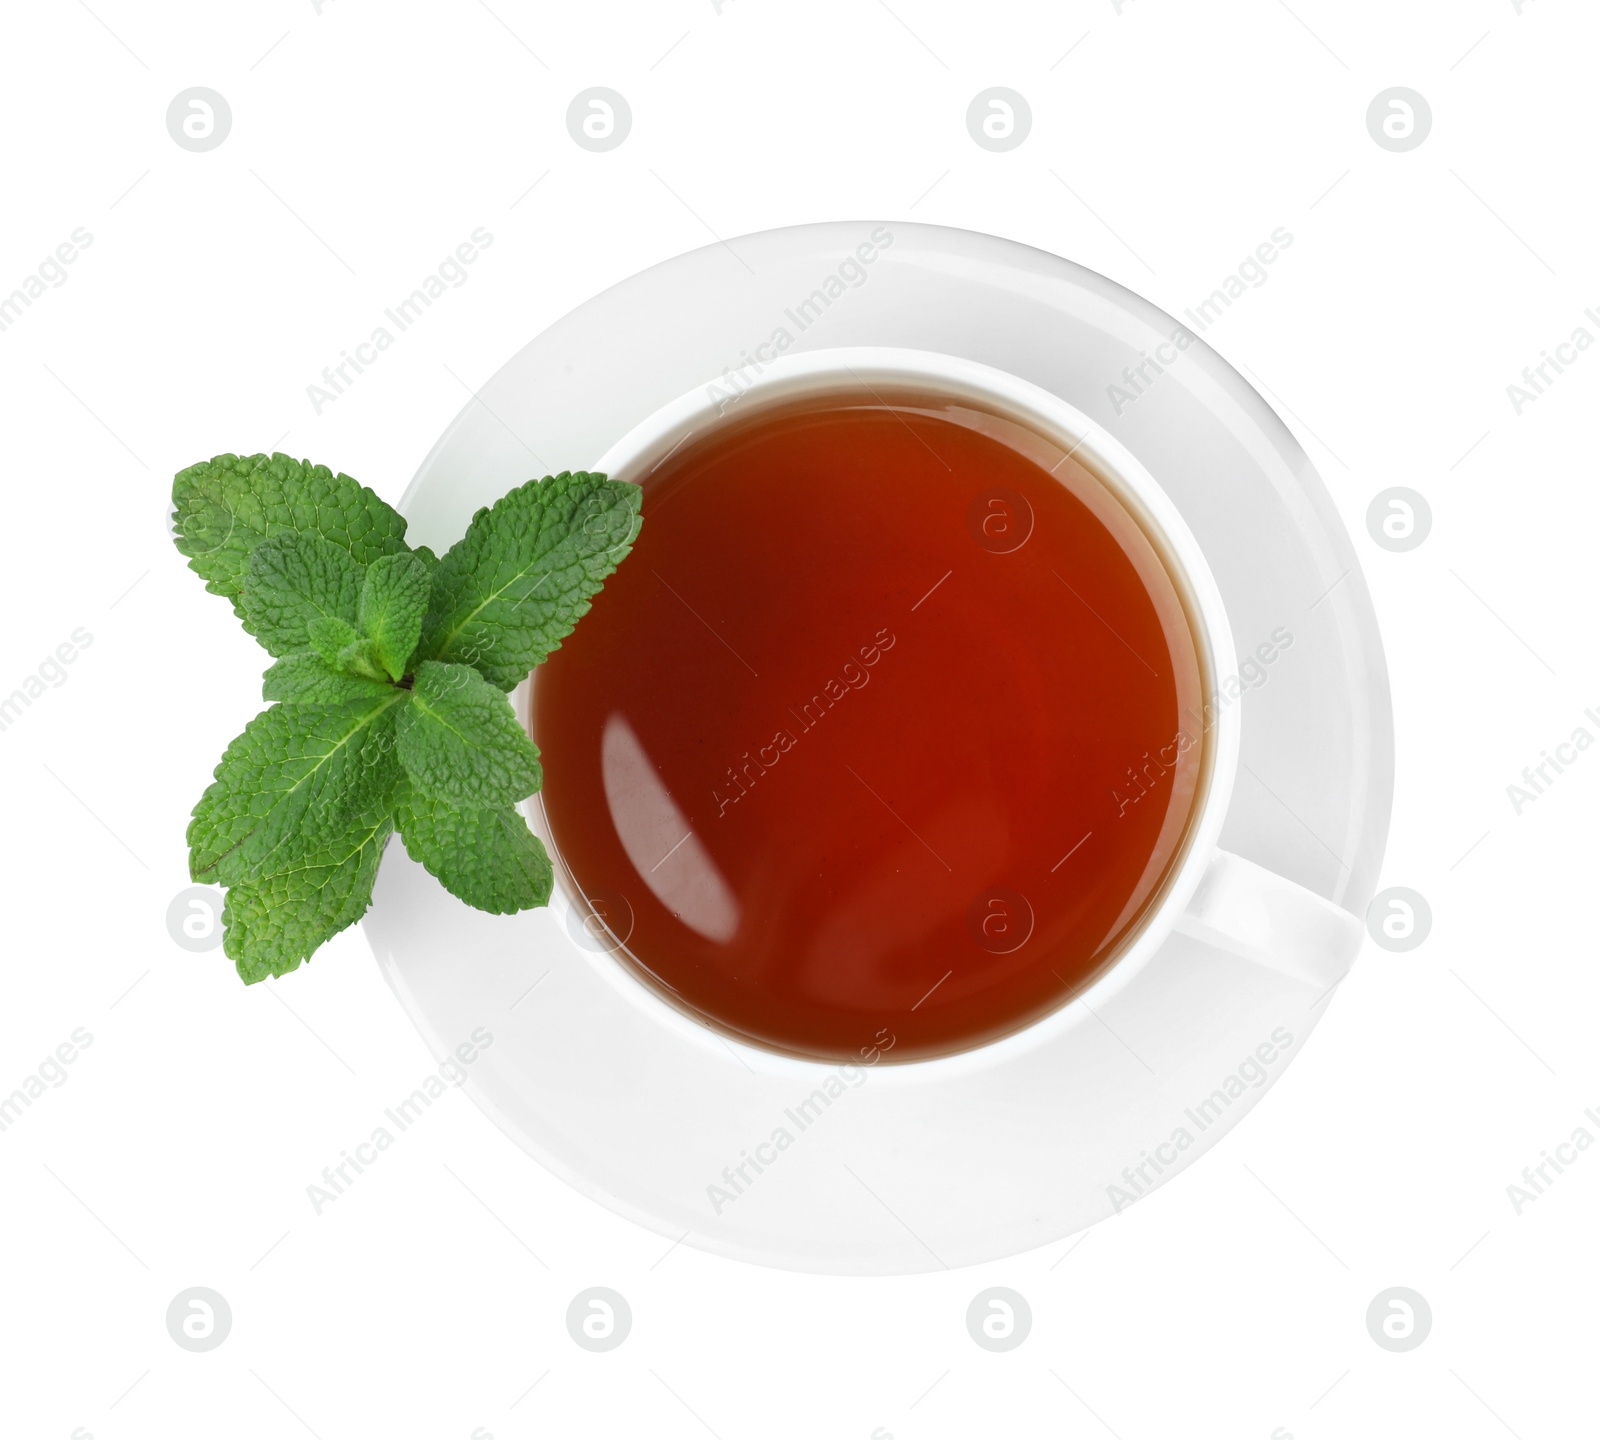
876	742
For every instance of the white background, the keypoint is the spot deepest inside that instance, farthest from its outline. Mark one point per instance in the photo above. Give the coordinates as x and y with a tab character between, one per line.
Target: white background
367	141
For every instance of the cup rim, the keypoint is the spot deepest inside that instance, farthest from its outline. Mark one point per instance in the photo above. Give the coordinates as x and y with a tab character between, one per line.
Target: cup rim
818	372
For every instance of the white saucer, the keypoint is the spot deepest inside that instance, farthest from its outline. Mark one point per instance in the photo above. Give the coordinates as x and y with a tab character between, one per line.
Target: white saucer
977	1162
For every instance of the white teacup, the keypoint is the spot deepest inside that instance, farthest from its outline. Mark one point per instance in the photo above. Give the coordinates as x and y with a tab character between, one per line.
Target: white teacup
1207	893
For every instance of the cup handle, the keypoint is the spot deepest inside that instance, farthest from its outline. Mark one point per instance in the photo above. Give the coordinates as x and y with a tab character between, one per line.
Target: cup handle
1251	911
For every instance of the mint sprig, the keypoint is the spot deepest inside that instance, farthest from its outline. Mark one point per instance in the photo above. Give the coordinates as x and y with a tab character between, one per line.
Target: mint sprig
388	692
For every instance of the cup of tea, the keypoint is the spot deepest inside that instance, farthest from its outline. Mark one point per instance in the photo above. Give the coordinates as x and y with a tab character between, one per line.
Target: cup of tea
913	717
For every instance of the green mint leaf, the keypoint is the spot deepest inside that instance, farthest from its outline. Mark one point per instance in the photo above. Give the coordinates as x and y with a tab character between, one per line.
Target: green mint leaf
460	742
330	636
308	679
303	891
293	779
393	602
511	589
226	506
488	858
427	557
292	580
272	924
